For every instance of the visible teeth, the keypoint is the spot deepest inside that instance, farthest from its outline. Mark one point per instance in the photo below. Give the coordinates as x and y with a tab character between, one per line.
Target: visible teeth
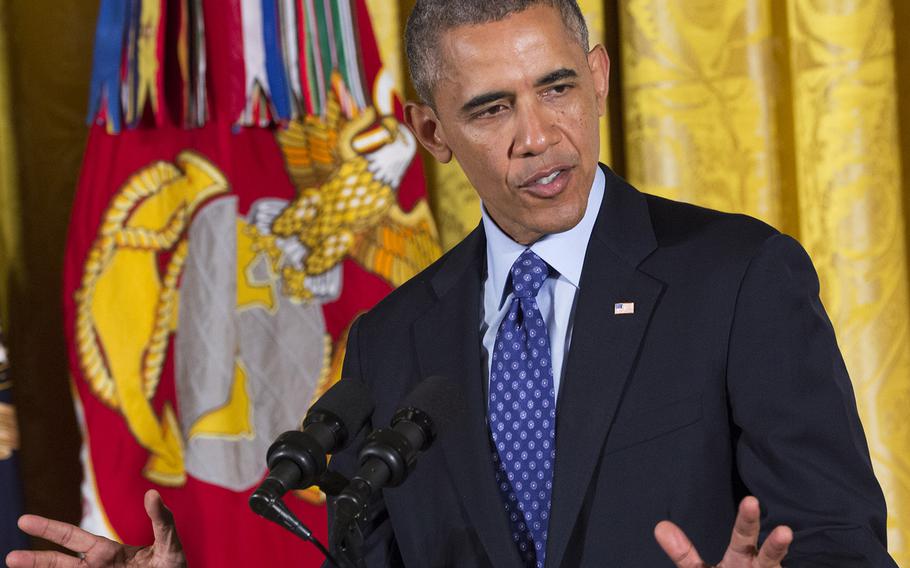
549	178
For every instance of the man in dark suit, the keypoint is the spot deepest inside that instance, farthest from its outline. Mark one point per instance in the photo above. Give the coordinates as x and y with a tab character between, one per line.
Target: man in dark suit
693	361
684	353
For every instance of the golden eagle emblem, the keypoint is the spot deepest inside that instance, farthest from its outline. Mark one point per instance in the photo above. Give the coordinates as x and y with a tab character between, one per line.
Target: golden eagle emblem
347	173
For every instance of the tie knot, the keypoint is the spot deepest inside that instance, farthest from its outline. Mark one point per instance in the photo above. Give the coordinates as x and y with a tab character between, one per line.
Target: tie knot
528	274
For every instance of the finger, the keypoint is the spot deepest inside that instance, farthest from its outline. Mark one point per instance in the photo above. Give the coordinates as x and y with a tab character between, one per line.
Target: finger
744	539
162	522
775	547
64	534
677	546
40	559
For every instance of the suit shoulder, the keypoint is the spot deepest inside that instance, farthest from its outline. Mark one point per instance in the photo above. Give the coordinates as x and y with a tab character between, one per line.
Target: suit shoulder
409	300
404	299
684	226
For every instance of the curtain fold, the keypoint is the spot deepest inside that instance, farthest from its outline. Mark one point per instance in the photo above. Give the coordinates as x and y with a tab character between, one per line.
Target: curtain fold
788	112
10	274
852	217
702	105
10	223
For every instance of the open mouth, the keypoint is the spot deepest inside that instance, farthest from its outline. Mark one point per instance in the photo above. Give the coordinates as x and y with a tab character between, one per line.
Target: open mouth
544	178
549	178
548	185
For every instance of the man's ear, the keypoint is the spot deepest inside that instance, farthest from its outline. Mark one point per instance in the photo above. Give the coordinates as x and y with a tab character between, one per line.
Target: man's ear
599	63
423	122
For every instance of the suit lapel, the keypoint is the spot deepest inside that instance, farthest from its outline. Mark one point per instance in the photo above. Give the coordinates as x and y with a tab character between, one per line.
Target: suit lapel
448	344
604	349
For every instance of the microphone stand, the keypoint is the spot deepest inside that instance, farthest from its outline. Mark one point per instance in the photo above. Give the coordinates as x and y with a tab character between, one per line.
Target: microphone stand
348	544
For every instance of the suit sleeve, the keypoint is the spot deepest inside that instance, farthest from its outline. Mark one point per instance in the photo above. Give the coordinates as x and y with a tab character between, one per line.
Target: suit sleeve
379	546
799	443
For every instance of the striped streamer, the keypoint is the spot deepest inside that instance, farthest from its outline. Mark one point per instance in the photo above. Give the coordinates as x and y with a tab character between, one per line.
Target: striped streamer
274	61
104	89
295	52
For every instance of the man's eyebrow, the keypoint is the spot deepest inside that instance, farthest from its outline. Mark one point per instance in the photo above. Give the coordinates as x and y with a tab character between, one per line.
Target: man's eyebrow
481	100
556	76
486	98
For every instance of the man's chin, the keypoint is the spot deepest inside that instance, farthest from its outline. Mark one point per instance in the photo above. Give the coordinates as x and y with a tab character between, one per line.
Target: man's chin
558	224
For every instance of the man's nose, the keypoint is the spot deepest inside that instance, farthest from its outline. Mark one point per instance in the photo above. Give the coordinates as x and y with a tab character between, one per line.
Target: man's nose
535	131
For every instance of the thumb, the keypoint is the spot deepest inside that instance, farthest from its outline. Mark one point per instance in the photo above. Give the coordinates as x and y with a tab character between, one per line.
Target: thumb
166	539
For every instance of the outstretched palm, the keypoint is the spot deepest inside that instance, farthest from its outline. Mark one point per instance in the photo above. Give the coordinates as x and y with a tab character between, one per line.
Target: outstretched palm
743	551
96	551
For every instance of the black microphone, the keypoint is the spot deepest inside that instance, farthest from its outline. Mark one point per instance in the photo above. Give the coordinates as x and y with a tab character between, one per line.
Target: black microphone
297	459
389	454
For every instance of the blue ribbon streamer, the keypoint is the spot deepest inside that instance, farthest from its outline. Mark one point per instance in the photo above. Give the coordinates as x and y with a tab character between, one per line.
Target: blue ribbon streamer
113	19
274	60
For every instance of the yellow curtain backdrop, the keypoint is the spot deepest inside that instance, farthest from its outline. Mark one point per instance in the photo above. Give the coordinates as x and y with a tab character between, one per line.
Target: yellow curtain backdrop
10	260
702	105
788	111
851	217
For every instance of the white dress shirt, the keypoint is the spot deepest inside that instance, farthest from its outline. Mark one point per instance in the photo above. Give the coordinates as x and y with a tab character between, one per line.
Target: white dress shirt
565	253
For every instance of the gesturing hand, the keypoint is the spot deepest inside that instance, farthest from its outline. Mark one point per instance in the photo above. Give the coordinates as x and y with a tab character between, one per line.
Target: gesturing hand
96	551
743	550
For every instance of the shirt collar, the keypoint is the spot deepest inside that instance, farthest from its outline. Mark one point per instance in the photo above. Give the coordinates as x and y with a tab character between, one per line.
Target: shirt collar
564	251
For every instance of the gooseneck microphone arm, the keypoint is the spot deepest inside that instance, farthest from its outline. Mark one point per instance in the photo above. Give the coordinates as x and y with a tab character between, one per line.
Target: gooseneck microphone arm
276	511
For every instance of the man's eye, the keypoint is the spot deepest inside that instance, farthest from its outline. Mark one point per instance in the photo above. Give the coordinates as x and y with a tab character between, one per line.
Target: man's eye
558	89
491	111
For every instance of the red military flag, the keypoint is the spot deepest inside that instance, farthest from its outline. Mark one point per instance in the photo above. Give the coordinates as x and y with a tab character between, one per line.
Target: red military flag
247	190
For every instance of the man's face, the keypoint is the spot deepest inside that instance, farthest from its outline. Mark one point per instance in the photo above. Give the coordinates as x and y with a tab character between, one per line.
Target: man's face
518	106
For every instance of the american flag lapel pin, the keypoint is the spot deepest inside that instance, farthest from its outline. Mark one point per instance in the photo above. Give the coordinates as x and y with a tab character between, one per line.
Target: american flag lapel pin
622	308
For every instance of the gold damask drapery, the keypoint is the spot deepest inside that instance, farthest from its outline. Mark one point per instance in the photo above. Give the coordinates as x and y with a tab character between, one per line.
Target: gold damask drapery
787	111
10	261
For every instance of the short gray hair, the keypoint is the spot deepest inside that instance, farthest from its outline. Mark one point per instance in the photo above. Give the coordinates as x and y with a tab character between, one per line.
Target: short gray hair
431	18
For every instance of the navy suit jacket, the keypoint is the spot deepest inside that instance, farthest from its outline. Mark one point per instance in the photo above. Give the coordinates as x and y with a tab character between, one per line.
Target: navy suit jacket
726	381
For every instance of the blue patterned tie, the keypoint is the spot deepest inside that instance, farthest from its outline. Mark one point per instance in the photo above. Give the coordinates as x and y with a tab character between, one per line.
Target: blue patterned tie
523	411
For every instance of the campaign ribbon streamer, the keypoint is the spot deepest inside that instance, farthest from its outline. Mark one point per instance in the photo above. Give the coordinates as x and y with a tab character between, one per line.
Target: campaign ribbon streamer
104	88
257	79
347	31
315	74
306	101
274	60
150	52
198	57
289	22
